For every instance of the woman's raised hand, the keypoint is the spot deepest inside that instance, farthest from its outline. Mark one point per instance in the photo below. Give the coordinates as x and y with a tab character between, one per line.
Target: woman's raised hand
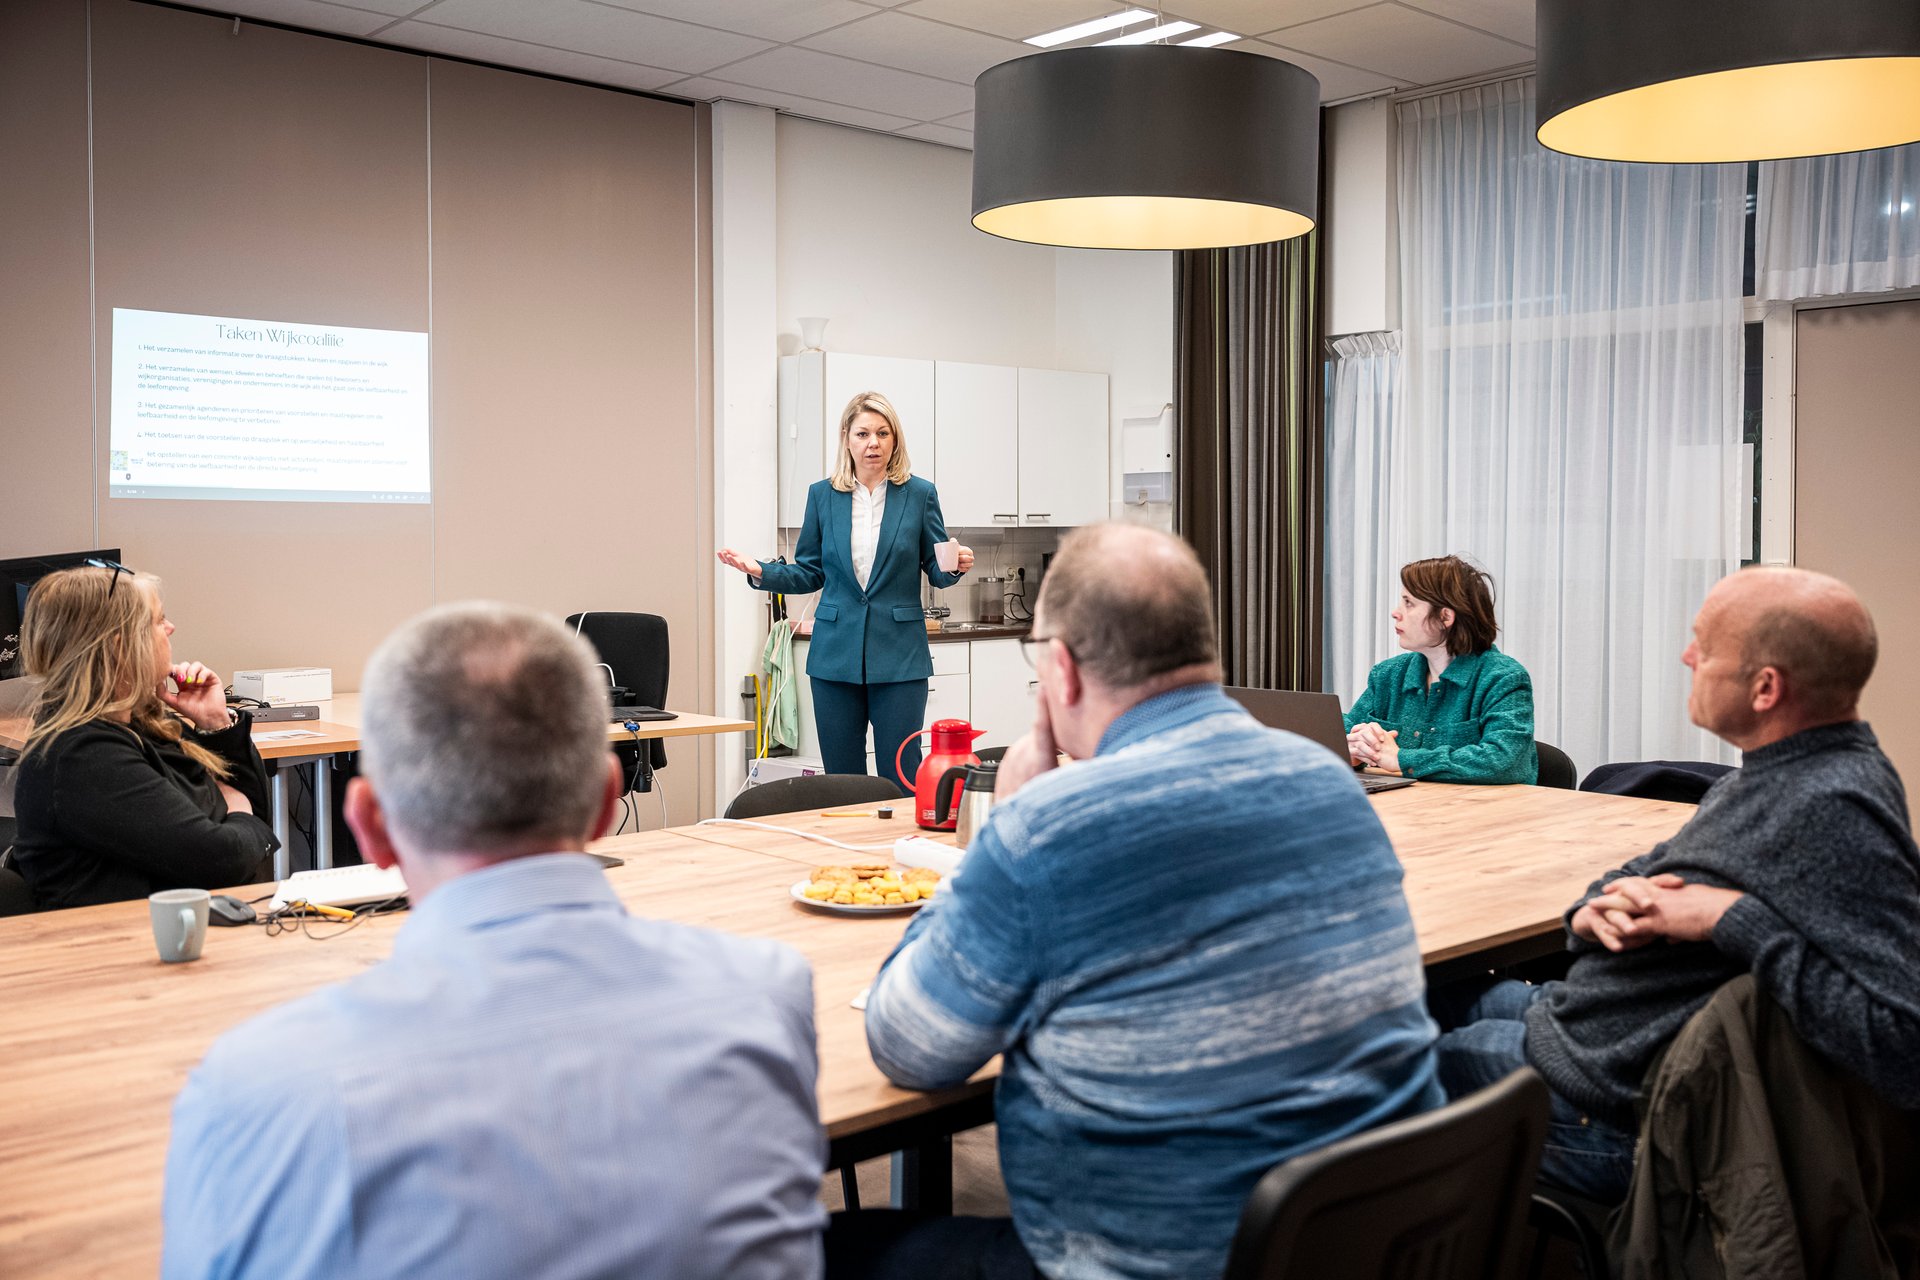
734	560
202	696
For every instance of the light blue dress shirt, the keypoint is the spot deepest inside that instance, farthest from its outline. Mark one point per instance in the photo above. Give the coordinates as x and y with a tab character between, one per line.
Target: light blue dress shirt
1195	955
535	1084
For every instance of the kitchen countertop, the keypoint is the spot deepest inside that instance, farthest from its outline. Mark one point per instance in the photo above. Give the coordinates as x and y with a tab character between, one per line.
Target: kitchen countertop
981	631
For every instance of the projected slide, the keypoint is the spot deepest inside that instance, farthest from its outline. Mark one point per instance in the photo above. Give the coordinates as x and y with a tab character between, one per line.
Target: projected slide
218	407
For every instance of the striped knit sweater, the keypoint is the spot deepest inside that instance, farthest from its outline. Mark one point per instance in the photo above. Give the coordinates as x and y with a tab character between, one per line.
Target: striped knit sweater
1195	954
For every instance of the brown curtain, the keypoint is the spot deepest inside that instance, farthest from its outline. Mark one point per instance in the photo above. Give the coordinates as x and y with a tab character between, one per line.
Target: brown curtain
1251	451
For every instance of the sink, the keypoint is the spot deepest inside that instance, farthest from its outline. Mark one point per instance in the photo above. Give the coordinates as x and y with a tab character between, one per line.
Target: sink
951	627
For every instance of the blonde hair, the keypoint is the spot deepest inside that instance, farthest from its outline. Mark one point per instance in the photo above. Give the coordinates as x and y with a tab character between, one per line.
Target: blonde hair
899	468
93	648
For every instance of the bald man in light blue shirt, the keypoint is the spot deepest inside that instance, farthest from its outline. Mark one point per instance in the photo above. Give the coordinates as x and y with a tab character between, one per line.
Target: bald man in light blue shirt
535	1083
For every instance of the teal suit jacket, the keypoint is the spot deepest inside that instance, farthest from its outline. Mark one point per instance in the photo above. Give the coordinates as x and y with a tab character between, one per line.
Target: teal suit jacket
878	634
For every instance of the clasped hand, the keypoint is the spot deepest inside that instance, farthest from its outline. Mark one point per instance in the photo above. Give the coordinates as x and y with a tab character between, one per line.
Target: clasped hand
1635	910
1372	745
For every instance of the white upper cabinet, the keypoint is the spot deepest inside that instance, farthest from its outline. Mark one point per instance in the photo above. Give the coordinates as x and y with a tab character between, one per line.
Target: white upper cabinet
1063	447
977	407
815	388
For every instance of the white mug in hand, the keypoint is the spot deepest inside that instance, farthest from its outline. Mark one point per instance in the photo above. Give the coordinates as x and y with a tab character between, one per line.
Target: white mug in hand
947	555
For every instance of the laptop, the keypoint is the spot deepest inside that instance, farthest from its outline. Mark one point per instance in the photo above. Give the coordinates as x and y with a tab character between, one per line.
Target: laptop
1315	717
638	714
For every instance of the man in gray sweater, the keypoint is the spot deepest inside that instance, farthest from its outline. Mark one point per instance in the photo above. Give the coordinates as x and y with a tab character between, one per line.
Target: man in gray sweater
1800	868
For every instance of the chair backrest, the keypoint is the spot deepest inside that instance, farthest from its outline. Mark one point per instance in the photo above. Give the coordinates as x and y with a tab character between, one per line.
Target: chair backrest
634	647
1683	781
16	895
1440	1196
816	791
1556	766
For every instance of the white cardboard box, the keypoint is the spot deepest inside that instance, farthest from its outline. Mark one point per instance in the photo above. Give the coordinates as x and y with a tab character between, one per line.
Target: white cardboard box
281	685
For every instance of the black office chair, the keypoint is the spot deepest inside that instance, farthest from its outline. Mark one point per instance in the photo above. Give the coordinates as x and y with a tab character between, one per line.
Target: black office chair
16	895
816	791
1556	766
634	648
1682	781
1441	1196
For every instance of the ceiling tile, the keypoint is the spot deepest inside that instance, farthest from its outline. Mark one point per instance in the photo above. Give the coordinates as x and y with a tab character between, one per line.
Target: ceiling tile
598	29
1512	19
854	84
941	134
527	57
781	20
1252	17
916	44
962	121
310	15
706	90
1336	81
1404	43
1012	19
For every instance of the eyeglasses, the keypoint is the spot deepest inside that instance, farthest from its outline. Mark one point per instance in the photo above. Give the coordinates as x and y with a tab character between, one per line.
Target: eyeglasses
1028	644
117	568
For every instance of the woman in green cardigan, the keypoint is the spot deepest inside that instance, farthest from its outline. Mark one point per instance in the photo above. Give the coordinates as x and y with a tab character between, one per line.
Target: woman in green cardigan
1453	708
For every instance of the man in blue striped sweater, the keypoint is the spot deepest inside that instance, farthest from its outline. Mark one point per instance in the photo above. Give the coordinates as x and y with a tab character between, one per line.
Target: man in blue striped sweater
1190	944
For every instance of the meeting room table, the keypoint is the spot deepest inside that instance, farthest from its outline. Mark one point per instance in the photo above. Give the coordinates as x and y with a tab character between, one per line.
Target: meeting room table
98	1035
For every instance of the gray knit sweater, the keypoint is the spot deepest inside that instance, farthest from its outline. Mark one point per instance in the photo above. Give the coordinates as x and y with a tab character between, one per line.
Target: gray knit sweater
1814	829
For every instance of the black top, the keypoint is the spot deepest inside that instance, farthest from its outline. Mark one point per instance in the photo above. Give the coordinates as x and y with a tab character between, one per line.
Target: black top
108	814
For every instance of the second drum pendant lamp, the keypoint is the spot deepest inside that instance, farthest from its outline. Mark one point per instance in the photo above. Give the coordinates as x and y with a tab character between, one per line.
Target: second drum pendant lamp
1146	147
1706	81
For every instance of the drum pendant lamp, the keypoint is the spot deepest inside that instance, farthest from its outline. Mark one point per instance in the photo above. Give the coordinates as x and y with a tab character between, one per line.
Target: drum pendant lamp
1146	147
1706	81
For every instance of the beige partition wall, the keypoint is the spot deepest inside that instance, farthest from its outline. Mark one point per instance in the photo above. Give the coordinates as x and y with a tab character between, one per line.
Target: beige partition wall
545	235
46	391
270	176
1856	461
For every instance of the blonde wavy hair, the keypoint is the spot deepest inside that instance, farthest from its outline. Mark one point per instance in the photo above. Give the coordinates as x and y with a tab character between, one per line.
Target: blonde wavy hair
899	468
93	648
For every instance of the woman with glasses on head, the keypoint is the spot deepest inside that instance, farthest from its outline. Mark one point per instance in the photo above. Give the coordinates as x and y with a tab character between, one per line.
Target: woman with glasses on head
1453	708
869	533
125	786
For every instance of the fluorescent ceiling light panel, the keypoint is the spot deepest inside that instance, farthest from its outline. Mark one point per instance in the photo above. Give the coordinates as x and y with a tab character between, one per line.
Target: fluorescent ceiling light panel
1209	40
1082	29
1151	34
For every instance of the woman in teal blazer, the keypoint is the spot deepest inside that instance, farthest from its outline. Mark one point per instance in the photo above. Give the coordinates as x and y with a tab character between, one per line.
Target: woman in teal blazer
869	533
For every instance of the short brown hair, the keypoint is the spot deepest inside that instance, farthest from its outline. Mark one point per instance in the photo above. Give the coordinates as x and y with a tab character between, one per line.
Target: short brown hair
1448	582
1129	614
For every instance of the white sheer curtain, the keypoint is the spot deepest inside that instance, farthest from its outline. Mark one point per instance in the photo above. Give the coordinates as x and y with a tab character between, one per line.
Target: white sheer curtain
1571	409
1362	436
1838	224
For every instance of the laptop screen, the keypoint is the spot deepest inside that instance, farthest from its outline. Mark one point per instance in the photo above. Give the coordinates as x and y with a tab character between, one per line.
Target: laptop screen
1315	716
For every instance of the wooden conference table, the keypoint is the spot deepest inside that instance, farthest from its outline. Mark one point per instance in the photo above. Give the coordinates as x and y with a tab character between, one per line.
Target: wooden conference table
97	1035
292	744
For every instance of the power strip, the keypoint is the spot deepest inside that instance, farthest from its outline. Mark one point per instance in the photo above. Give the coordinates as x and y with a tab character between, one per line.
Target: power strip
918	851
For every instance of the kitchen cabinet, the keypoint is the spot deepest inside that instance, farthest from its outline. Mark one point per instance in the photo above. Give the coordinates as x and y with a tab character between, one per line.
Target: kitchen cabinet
1003	690
1063	447
976	410
813	391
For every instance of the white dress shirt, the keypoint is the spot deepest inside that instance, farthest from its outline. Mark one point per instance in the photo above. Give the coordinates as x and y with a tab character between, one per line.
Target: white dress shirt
869	509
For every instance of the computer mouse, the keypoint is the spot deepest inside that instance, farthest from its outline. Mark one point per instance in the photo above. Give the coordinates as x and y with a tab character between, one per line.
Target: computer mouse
225	909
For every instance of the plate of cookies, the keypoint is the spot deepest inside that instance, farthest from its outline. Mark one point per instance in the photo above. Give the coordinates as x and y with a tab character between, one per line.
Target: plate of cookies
867	889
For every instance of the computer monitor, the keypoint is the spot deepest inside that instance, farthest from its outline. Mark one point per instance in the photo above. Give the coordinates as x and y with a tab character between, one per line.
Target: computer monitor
16	580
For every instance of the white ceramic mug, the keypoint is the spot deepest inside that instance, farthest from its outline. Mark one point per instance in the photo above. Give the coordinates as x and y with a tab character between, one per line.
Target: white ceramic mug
947	555
179	923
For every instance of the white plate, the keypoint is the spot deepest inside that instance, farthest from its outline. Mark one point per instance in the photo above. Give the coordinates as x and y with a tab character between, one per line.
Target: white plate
799	892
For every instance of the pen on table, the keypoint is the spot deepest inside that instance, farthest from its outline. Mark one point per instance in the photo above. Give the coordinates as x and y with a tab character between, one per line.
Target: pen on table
336	913
884	811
